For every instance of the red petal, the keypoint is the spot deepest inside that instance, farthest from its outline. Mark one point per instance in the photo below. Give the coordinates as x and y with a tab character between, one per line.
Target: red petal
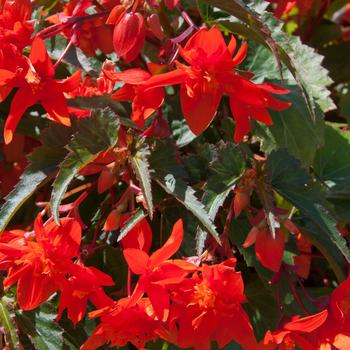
34	288
134	76
129	35
251	238
22	100
137	260
241	117
174	77
125	93
170	247
270	250
71	83
159	298
241	54
40	59
199	110
307	324
55	104
205	45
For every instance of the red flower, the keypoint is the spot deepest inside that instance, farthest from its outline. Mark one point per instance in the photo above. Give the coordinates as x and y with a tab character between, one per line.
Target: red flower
89	35
84	284
129	32
294	332
139	237
122	323
208	308
268	249
40	263
211	74
15	25
36	83
157	273
144	103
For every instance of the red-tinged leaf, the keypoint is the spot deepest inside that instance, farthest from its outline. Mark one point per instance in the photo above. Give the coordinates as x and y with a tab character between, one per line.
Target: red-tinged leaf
170	247
137	260
307	324
270	250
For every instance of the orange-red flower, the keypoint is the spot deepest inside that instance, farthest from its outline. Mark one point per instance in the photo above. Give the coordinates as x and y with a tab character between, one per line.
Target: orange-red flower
211	74
268	249
144	102
40	261
122	323
90	34
208	307
158	273
84	284
16	27
36	84
295	331
129	32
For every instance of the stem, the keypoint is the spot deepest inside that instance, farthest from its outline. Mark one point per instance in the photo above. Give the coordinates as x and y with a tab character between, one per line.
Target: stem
294	291
63	53
78	189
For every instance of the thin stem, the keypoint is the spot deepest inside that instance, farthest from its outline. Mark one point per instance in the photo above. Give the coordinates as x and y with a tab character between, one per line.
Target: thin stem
294	291
63	53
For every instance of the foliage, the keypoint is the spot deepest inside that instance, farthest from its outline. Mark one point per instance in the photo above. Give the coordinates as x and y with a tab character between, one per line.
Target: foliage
175	174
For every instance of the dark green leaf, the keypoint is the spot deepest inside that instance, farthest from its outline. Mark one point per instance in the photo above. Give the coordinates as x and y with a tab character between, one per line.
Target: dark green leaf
93	135
8	325
293	183
225	171
140	165
42	329
130	223
294	130
43	163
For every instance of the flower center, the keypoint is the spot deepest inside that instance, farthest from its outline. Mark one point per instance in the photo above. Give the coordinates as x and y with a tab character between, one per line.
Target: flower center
204	296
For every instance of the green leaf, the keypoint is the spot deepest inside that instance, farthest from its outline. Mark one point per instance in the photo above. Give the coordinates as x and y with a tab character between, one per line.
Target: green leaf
93	135
293	129
130	223
140	165
42	329
332	167
226	169
42	165
9	326
100	102
168	174
294	184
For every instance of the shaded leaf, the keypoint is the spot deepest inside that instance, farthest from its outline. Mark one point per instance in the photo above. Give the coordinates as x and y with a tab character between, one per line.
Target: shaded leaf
93	135
294	184
130	223
42	165
140	165
8	325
